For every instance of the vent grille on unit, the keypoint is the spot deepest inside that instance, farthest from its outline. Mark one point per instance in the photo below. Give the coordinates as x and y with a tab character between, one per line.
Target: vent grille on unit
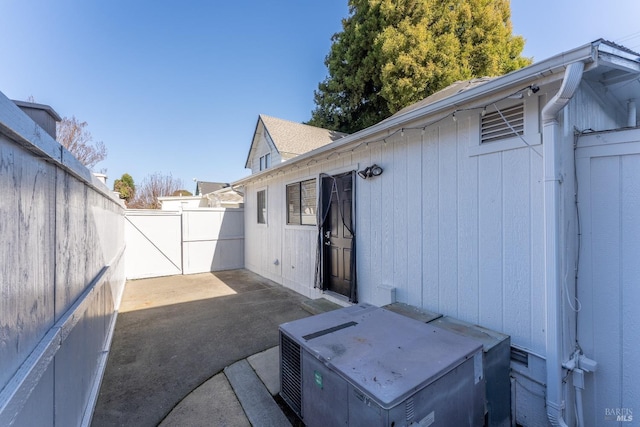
291	375
410	408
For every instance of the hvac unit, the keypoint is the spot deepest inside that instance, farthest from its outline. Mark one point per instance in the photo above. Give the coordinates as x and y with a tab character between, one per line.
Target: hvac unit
496	361
367	366
496	365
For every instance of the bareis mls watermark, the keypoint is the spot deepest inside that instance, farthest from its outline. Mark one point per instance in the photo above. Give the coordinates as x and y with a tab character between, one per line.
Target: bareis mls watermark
618	414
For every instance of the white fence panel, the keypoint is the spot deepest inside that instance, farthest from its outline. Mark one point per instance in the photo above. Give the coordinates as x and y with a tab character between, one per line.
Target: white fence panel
213	240
162	243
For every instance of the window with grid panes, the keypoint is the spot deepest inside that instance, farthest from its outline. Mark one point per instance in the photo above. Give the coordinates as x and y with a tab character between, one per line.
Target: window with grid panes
301	203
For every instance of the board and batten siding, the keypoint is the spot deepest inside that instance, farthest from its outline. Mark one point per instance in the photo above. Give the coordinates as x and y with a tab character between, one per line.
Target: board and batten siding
457	227
609	195
453	232
454	226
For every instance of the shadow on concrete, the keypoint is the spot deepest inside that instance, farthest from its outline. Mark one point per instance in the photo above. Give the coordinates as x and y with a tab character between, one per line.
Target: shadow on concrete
161	352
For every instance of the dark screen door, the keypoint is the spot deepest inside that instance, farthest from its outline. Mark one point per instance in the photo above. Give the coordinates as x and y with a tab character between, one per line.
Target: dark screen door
337	234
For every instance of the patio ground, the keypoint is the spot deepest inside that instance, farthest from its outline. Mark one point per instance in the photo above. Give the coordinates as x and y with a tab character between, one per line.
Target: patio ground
173	334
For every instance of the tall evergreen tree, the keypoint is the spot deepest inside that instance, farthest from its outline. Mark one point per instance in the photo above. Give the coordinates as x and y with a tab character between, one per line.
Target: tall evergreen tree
392	53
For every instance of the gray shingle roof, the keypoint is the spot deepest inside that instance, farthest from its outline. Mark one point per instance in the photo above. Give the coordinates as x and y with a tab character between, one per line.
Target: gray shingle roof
296	138
206	187
454	88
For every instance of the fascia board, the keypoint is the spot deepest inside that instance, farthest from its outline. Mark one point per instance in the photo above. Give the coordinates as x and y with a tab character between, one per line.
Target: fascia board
524	76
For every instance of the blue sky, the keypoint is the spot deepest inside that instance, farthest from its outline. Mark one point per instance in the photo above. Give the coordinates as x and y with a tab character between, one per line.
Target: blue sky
175	87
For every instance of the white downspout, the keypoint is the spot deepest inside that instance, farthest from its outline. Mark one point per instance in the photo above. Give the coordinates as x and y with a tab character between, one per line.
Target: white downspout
553	274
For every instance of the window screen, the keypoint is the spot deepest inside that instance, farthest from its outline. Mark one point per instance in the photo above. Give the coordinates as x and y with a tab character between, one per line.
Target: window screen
301	203
262	206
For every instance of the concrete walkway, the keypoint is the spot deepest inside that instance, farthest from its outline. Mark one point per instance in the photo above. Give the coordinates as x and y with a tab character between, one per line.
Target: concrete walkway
242	395
198	350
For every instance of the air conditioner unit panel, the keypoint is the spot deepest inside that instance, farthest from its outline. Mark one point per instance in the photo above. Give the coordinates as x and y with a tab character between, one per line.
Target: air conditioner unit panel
386	354
395	369
324	396
325	323
452	400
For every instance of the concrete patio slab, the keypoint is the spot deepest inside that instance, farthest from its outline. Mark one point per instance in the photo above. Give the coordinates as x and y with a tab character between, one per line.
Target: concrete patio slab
212	404
175	333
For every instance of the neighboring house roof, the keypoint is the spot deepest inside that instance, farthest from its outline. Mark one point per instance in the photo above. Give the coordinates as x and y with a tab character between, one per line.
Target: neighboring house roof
225	197
615	67
205	187
290	138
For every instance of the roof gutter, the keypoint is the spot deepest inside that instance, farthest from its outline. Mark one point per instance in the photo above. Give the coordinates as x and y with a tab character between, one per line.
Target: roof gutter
521	77
553	275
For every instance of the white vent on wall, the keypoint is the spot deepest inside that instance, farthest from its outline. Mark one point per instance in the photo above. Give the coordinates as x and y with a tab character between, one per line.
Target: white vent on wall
503	124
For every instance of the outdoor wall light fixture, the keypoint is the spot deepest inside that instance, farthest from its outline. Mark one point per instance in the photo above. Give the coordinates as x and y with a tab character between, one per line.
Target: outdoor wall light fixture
368	172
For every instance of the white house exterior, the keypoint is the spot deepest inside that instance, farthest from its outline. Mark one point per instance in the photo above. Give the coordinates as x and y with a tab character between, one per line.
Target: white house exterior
276	141
484	226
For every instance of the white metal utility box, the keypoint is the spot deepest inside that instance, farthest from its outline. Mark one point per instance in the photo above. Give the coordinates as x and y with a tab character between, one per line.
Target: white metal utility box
367	366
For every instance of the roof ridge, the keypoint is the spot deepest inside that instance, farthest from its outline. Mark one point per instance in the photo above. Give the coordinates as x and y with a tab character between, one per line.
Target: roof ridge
297	123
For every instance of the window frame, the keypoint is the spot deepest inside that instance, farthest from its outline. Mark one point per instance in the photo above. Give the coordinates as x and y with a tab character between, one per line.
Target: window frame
265	209
298	186
265	161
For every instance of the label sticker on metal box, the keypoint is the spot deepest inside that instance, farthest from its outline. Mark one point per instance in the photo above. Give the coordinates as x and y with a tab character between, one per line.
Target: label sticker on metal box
428	420
318	378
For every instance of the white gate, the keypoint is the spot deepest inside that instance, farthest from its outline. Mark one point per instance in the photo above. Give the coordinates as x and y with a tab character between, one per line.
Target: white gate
608	166
164	243
154	243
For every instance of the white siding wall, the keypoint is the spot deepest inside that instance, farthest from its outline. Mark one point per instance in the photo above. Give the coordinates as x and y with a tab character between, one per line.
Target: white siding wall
608	283
589	110
455	233
263	146
454	227
451	234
